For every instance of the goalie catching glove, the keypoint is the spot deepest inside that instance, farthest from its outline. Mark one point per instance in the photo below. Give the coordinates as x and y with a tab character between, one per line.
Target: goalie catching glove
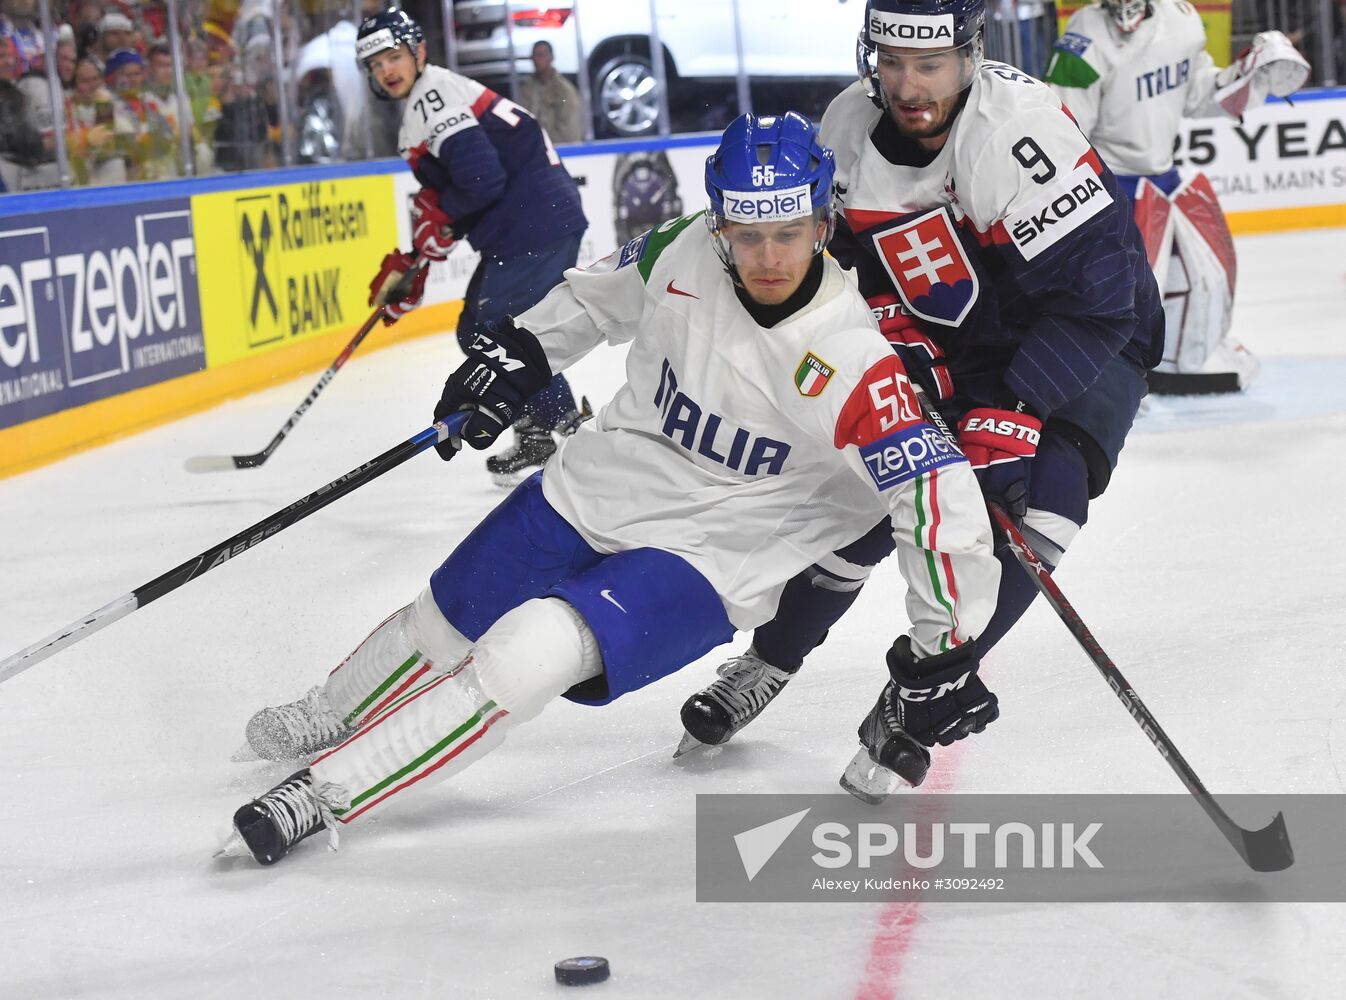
1270	66
505	366
1000	445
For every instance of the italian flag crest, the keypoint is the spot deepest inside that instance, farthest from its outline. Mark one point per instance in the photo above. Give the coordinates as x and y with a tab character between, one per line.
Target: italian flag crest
812	375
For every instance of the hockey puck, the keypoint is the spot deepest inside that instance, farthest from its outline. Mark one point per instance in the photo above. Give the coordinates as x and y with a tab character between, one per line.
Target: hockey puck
582	971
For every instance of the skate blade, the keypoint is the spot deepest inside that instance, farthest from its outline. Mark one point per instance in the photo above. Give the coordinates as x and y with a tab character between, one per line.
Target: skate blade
868	781
245	755
686	745
234	846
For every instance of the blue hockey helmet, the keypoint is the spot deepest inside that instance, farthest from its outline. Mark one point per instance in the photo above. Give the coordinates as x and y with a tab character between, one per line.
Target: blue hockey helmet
385	30
769	169
934	25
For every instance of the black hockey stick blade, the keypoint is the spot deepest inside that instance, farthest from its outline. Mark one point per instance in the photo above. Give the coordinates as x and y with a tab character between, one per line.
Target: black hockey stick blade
227	463
1265	850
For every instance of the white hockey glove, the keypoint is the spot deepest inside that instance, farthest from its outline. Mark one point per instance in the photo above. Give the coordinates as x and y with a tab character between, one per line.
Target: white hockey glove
1269	66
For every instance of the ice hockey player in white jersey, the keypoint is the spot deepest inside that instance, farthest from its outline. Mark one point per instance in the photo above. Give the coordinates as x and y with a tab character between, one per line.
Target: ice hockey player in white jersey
764	422
1001	261
1130	71
488	175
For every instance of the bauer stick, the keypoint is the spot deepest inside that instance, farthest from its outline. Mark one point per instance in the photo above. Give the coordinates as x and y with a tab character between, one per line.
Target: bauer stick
230	547
1264	850
223	463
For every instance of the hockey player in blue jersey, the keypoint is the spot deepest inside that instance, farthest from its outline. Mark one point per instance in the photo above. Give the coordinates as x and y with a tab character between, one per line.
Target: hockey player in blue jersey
1001	262
488	175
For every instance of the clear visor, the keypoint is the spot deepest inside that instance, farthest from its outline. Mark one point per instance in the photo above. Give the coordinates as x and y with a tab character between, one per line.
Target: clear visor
920	76
1127	14
771	244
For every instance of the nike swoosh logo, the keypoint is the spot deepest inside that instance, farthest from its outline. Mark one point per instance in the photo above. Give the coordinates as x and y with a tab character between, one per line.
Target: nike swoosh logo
607	596
679	291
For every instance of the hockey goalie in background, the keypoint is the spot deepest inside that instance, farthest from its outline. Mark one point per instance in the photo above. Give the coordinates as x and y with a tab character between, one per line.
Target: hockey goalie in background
1130	71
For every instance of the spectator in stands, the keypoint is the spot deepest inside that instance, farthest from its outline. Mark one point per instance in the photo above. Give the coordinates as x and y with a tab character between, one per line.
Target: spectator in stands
21	145
92	129
66	55
202	92
552	98
114	35
19	24
85	15
241	136
152	155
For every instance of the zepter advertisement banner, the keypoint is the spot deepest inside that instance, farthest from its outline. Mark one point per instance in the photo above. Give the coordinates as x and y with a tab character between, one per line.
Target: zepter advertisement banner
283	263
93	305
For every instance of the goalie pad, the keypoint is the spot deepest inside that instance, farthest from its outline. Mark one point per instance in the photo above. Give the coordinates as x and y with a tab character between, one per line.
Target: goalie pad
1270	66
1192	253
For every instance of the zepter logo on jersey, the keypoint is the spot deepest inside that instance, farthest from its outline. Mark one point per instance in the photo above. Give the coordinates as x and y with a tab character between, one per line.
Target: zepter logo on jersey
908	31
377	42
768	206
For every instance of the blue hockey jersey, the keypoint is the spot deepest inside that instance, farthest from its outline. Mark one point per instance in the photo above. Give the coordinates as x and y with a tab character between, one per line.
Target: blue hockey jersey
491	164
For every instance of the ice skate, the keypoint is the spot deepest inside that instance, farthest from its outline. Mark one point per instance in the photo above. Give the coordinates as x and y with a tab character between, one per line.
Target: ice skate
533	447
888	757
297	730
271	825
746	685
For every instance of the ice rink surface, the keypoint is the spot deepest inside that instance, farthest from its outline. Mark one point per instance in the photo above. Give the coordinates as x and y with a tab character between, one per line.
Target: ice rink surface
1212	571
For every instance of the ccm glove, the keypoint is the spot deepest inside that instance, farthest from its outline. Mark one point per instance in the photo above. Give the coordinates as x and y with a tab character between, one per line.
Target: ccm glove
939	699
389	290
505	365
921	357
431	229
1001	444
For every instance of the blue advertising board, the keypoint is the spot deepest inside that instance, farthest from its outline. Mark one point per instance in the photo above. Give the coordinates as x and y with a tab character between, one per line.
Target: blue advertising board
95	302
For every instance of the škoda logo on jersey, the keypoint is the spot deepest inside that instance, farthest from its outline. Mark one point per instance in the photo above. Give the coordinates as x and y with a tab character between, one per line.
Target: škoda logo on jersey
929	267
1062	208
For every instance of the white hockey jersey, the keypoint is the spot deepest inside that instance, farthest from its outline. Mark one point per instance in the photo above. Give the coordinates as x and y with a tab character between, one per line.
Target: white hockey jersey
1129	93
753	452
1010	154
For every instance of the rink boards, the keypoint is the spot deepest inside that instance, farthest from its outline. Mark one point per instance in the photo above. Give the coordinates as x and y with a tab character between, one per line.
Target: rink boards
123	308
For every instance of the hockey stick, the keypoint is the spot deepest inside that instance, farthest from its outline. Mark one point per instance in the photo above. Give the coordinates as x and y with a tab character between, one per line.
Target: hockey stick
230	547
224	463
1265	850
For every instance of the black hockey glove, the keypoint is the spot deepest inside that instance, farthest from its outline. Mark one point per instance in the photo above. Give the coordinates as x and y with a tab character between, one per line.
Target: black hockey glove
505	365
939	699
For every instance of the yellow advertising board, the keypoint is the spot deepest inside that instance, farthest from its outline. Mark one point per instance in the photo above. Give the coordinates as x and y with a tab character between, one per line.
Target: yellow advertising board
280	264
1217	17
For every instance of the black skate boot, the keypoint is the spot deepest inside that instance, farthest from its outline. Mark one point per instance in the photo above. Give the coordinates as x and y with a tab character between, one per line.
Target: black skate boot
270	826
746	685
888	755
298	730
533	447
